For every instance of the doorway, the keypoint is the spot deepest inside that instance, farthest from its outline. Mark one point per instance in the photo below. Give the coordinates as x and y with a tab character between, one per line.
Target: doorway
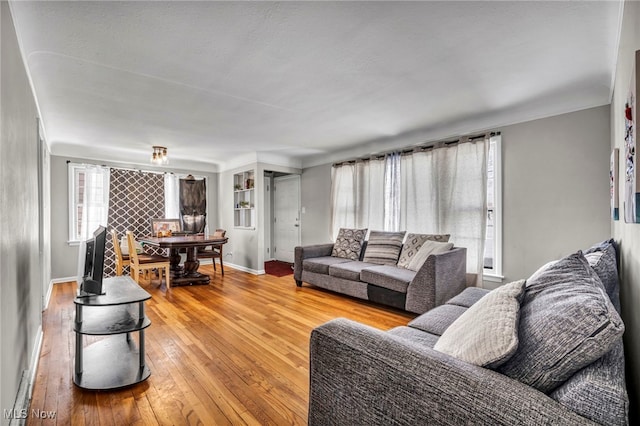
286	217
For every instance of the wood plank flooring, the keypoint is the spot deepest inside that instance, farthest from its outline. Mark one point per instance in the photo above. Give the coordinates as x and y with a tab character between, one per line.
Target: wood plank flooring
232	352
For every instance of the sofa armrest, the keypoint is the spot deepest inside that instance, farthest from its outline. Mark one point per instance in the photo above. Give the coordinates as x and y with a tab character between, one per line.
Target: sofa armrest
305	252
361	376
442	276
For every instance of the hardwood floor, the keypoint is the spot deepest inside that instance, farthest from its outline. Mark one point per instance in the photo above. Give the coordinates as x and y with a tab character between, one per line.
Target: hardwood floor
232	352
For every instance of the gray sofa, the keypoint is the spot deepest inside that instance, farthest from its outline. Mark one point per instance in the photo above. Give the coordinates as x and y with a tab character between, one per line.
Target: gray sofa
364	376
441	277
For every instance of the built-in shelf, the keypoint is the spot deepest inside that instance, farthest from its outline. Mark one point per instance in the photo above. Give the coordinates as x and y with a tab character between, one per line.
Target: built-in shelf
244	199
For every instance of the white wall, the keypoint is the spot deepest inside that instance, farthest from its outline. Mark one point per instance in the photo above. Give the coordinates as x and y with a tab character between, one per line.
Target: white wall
555	190
20	271
64	256
628	234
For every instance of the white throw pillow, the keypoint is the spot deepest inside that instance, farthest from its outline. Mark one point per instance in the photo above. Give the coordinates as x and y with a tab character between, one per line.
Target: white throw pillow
427	249
486	334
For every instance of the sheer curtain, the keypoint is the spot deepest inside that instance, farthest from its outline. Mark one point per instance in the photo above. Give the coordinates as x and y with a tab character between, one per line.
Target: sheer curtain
444	191
95	199
171	196
392	191
357	195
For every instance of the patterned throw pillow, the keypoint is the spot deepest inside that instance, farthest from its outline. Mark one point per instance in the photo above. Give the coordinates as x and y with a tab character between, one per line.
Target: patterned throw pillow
413	244
348	245
383	248
486	334
566	322
427	249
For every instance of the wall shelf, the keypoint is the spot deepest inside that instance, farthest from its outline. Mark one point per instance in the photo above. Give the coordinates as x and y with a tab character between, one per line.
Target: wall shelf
244	200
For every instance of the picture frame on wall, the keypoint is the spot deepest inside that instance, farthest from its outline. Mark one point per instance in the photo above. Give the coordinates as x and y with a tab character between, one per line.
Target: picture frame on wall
631	178
613	184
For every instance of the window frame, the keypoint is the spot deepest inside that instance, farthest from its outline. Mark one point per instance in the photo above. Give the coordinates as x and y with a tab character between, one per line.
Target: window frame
495	274
73	171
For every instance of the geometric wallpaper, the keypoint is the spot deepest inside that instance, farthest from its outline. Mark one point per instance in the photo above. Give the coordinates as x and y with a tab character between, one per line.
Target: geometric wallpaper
135	197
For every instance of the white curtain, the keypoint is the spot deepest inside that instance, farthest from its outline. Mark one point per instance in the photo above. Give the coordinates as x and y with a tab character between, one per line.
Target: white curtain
171	196
444	191
392	191
357	195
95	200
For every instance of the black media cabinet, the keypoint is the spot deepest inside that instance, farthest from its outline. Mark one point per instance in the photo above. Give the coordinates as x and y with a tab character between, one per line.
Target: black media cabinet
115	361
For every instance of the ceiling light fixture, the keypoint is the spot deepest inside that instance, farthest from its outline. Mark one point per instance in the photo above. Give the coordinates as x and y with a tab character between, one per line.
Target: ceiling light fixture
159	156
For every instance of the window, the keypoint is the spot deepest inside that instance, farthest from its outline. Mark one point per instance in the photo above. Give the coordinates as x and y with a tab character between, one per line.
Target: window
445	188
88	199
493	240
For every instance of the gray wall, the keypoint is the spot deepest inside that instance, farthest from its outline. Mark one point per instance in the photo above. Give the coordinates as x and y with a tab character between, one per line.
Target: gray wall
20	283
64	257
626	234
555	190
315	186
246	247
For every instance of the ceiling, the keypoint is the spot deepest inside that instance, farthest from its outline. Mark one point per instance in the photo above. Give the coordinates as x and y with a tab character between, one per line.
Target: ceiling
301	83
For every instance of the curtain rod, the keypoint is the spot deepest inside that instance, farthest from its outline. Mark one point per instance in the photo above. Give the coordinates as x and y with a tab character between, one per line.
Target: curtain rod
414	148
122	168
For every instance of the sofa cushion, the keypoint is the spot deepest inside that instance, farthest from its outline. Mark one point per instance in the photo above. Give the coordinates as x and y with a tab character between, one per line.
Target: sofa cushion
468	296
438	319
348	244
603	261
427	249
321	264
415	335
383	248
348	270
598	391
566	322
387	276
487	333
413	244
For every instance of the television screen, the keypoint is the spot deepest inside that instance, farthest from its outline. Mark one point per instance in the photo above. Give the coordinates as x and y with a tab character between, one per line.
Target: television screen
91	263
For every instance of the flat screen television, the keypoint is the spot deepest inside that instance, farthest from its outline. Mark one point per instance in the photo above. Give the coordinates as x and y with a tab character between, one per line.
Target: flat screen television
91	263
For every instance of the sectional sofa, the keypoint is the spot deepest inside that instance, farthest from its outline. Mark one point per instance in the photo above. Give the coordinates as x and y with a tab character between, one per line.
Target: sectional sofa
547	350
369	272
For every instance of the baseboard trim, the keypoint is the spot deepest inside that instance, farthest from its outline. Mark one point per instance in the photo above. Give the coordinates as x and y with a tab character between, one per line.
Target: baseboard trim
35	359
27	382
245	269
63	280
47	298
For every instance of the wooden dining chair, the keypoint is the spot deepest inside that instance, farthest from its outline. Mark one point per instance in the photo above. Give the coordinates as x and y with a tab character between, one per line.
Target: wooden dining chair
215	252
122	260
140	262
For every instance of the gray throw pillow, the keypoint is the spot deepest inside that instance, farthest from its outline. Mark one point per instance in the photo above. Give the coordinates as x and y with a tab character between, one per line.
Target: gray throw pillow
486	334
383	248
603	261
566	322
414	242
427	249
348	244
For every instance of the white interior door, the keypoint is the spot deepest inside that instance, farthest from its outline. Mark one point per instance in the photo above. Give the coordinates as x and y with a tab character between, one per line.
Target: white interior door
286	200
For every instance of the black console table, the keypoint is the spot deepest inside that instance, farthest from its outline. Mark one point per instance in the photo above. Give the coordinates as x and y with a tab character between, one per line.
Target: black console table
115	361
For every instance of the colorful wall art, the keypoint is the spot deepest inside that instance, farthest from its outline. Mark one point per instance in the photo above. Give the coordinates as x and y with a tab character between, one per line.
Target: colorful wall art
631	179
613	184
